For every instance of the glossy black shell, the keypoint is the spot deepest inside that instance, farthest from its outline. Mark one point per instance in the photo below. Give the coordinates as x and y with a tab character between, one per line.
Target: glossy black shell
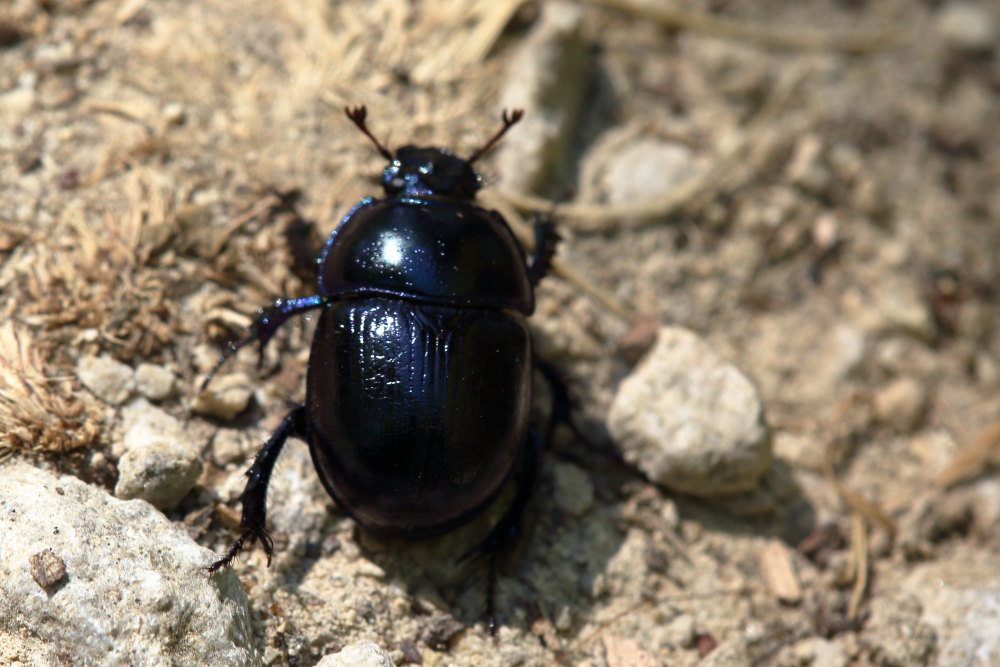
419	382
417	411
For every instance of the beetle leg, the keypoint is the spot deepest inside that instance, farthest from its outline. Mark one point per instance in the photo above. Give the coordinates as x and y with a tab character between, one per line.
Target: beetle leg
562	412
546	239
255	493
267	324
505	533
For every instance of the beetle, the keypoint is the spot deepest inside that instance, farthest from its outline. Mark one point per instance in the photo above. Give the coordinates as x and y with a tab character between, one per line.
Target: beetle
420	374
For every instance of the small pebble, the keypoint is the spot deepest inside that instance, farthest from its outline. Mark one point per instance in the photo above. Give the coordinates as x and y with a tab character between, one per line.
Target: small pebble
902	404
160	463
638	339
806	168
47	569
690	420
968	26
110	380
645	169
154	382
681	631
225	397
174	113
229	446
361	654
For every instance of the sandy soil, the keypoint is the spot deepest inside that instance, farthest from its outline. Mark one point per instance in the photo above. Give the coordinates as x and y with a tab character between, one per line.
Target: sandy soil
837	243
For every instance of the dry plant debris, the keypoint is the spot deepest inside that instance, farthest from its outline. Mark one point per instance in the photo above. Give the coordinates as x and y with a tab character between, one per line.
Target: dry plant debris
39	412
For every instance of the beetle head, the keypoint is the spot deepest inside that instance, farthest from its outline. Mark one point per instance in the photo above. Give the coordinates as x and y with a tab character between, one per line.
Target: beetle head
429	171
414	171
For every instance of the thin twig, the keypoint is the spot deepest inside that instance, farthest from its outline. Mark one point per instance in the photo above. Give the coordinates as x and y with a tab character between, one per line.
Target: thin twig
770	36
972	459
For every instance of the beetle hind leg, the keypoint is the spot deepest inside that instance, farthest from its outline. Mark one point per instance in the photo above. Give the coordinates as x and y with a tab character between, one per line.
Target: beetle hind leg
507	530
254	495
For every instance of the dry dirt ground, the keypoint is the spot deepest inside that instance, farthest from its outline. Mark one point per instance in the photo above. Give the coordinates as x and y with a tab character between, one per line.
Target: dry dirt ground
831	230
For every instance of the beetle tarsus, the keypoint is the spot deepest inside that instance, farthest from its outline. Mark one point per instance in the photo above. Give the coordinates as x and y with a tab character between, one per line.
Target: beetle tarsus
243	542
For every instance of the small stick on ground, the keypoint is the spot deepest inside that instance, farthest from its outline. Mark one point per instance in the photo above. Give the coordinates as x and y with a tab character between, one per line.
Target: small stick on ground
768	36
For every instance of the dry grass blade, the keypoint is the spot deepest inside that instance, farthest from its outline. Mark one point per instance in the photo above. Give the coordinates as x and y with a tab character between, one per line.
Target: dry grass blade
972	459
95	273
778	37
863	512
38	412
851	498
859	563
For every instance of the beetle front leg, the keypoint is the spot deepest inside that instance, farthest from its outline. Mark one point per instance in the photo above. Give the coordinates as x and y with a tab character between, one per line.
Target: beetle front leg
267	324
254	495
546	240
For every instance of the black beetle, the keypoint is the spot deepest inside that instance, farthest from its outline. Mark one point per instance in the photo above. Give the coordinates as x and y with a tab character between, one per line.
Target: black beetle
420	376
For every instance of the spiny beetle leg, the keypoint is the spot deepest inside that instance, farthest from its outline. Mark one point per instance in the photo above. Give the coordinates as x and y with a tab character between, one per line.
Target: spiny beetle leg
562	412
546	240
255	493
507	530
263	329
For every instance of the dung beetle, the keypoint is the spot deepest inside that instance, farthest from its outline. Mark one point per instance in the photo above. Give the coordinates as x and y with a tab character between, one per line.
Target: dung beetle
419	380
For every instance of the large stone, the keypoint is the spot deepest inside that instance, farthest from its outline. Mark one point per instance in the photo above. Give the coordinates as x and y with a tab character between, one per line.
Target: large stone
690	420
133	588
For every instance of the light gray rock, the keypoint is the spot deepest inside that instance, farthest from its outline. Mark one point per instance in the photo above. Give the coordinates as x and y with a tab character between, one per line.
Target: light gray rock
361	654
901	404
134	590
154	382
225	397
895	634
968	26
960	604
110	380
546	77
645	169
690	420
160	462
892	305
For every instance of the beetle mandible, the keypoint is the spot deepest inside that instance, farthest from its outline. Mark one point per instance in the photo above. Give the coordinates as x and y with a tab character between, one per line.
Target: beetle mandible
419	380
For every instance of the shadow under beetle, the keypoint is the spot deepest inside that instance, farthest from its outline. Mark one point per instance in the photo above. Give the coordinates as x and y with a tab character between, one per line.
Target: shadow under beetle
420	375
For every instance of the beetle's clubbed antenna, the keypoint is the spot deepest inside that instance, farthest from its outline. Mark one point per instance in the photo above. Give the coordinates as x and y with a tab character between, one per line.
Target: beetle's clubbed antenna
508	121
358	116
